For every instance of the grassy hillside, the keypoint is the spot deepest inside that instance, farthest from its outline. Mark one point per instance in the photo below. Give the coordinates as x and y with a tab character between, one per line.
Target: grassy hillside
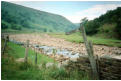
107	25
17	17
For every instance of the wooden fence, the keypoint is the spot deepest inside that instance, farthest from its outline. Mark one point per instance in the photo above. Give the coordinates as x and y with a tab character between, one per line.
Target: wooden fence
99	68
6	39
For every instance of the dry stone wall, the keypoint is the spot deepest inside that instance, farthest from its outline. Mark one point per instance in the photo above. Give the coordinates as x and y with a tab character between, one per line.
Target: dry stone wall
109	67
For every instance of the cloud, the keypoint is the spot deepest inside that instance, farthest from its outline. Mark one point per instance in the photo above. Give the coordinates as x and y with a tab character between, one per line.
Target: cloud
93	12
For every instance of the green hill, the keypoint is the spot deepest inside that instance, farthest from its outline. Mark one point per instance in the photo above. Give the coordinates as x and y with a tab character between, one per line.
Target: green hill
17	17
107	25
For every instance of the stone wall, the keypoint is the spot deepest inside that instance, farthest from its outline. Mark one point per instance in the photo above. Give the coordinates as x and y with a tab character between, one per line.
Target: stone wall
109	67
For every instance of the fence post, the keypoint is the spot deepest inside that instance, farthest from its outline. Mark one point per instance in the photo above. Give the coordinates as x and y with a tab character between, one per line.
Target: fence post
35	57
26	51
98	68
54	52
35	51
7	37
89	49
5	43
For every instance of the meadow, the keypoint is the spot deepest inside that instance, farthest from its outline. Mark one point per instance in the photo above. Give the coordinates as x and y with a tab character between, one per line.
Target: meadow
77	38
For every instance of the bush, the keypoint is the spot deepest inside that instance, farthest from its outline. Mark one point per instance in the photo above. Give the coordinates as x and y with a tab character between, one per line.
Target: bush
91	27
4	25
108	30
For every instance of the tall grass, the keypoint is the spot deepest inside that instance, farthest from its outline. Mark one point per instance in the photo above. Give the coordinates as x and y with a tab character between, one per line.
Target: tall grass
21	71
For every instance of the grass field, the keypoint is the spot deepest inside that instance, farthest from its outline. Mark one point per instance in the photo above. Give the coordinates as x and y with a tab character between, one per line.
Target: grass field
77	38
11	70
19	52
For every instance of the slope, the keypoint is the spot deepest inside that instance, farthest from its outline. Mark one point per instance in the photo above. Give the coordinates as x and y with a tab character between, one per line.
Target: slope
107	25
17	17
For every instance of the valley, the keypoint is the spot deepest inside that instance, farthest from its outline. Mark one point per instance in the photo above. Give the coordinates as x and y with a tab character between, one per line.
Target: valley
48	40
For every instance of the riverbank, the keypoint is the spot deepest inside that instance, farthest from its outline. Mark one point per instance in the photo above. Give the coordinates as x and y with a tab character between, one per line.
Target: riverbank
60	43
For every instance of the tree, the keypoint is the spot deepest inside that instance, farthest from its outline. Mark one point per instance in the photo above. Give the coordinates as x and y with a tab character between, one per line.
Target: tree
15	26
4	25
91	27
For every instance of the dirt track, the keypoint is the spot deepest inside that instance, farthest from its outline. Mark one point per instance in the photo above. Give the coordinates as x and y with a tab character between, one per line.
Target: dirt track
45	39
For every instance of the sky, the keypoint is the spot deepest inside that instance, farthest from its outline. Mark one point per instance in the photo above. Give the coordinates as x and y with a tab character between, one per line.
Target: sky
73	10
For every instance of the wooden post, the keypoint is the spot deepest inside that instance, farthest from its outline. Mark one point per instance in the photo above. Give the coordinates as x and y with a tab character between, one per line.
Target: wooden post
7	37
2	36
89	49
26	51
54	52
36	58
41	51
5	43
35	51
98	68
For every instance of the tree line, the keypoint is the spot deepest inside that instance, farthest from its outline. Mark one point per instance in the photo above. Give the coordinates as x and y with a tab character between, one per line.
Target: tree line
108	24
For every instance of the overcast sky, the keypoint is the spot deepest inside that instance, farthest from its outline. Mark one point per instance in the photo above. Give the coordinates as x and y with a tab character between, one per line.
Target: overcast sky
73	10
